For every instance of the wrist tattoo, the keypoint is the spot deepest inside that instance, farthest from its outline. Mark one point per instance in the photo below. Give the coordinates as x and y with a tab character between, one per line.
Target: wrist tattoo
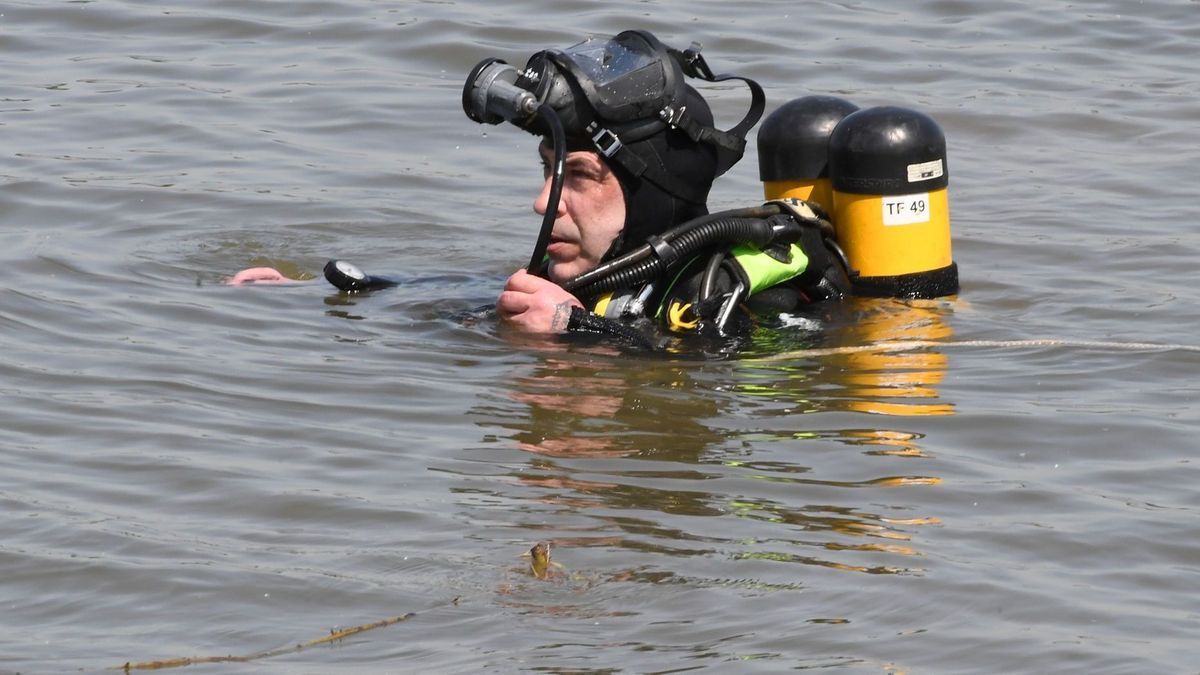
562	316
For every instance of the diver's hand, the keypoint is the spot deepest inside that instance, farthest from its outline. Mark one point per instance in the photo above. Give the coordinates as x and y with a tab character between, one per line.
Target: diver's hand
258	275
535	305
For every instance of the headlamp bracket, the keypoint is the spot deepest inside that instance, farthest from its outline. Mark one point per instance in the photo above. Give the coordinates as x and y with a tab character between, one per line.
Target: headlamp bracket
692	62
607	142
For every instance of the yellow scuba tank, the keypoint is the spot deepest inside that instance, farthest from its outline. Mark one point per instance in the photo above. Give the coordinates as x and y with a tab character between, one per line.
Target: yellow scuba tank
792	148
887	167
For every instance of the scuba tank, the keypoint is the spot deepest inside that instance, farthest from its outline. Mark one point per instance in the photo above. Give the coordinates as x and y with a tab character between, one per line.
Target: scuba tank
890	206
793	142
881	175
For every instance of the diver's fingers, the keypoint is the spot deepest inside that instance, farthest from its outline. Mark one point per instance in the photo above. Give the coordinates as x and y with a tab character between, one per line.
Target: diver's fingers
535	305
531	283
511	303
524	282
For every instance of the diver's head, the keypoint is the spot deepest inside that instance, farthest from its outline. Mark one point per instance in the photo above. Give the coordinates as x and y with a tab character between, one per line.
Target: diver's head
626	99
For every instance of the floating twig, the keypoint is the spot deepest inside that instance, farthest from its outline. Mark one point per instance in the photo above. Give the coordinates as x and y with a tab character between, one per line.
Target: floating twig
334	636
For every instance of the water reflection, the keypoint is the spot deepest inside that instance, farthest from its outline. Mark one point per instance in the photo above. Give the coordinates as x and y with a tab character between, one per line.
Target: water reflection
897	383
600	408
884	382
719	473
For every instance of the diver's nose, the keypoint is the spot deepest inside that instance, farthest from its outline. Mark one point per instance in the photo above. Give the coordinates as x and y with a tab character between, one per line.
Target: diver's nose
539	204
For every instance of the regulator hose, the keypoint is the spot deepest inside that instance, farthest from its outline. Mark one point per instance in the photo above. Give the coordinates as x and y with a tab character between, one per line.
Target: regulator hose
645	251
749	226
559	139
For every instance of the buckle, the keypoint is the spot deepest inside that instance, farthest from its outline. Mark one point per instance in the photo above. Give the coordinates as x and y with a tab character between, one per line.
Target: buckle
607	142
672	116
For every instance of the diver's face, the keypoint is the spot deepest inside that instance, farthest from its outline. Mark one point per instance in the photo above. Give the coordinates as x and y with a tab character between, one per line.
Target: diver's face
591	213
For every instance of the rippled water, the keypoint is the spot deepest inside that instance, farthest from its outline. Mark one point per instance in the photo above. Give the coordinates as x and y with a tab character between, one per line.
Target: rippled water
193	470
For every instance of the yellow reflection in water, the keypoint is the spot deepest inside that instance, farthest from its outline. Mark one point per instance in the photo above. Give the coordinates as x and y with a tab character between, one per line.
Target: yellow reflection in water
875	376
901	383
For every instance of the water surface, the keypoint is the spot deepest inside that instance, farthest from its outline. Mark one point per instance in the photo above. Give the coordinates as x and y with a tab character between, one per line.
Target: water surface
189	469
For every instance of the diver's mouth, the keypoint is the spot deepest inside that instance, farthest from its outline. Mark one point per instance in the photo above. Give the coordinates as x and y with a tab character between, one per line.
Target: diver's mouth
558	248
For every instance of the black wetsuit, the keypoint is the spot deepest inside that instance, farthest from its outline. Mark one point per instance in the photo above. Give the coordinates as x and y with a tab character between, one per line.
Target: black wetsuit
720	291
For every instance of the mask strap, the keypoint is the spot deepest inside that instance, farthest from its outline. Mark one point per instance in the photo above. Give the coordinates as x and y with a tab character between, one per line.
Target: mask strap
731	144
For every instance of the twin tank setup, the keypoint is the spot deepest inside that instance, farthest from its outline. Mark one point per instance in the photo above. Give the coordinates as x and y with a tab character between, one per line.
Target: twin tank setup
881	176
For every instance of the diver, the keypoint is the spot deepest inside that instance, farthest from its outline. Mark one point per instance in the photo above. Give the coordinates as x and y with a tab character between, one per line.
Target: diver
628	248
641	154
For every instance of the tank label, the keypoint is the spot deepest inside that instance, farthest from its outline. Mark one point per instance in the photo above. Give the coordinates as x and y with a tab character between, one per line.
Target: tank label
925	171
906	209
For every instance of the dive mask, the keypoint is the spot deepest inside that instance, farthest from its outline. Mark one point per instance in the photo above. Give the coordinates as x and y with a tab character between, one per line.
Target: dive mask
610	90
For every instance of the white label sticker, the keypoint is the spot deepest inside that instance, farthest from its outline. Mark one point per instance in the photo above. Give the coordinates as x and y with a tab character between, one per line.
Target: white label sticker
906	209
925	171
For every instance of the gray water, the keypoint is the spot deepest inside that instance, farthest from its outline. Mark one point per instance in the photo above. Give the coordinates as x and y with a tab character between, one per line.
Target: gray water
192	470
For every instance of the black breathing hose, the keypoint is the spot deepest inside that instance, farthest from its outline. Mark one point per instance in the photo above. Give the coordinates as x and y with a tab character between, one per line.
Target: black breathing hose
679	243
646	250
760	211
559	138
747	230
